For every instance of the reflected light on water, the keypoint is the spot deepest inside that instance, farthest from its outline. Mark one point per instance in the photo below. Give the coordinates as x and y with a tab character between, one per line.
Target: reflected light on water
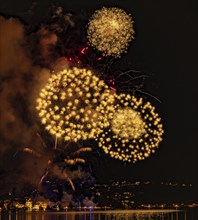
100	215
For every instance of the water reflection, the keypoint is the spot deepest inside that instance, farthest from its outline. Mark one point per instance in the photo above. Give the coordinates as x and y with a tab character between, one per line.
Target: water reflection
110	215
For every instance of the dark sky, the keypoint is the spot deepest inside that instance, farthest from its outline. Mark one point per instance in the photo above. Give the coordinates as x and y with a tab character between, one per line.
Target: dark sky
164	47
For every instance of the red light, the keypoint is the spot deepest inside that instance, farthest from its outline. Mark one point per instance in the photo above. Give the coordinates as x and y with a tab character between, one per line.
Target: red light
84	50
112	82
112	88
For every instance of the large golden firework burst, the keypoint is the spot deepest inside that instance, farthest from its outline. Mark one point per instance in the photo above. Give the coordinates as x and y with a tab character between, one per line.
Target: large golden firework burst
110	30
73	103
134	131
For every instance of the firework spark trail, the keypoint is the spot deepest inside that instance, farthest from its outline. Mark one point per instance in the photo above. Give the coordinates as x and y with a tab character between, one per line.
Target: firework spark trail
41	139
43	177
122	82
84	149
56	142
146	93
69	159
74	161
69	180
15	153
131	77
31	151
125	75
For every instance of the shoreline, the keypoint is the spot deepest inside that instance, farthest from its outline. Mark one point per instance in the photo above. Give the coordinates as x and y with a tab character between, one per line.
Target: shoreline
116	211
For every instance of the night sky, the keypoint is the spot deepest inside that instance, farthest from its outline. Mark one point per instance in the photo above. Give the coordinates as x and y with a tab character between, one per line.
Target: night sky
164	48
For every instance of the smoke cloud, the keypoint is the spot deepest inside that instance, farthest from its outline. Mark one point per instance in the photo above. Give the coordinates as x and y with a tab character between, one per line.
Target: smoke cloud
20	83
26	63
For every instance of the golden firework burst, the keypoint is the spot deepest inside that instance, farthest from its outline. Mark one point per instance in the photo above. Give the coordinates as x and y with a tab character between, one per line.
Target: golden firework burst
110	30
73	103
134	131
127	123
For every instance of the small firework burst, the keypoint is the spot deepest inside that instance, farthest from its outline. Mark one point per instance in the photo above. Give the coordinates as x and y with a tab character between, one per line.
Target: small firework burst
72	105
110	30
134	132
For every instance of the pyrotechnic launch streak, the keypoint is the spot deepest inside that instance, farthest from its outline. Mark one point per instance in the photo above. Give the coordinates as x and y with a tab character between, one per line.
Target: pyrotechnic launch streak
135	129
73	103
110	30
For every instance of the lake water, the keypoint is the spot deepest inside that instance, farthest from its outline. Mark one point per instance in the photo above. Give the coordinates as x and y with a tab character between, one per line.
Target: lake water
190	214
